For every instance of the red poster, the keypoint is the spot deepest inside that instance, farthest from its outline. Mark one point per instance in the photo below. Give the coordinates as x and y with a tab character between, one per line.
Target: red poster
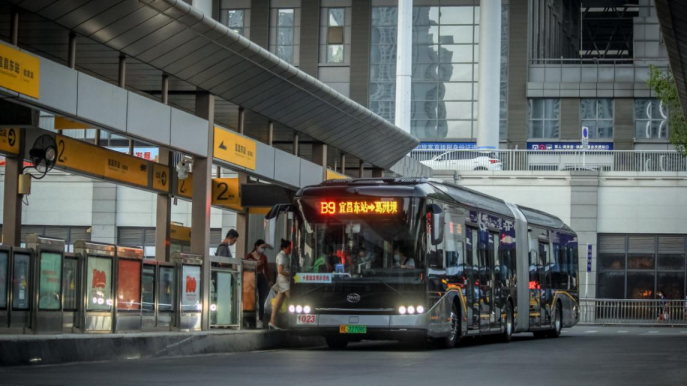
129	285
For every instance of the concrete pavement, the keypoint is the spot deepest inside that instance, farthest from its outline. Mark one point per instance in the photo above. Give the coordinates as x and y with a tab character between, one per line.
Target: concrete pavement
583	355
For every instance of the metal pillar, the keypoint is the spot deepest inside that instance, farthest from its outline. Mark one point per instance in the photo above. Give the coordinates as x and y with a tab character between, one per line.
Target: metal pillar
343	164
378	172
12	205
404	50
242	220
163	218
319	157
201	201
14	27
295	143
121	80
270	133
242	120
489	74
361	169
71	54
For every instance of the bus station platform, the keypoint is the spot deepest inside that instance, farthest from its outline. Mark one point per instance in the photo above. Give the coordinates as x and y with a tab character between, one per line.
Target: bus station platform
16	350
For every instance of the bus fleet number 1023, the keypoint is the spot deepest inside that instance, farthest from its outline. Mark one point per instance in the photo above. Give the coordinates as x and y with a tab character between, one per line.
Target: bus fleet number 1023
305	319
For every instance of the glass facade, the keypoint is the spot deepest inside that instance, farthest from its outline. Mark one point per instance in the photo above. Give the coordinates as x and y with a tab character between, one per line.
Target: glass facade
640	266
597	115
544	118
336	18
651	119
233	18
285	34
444	70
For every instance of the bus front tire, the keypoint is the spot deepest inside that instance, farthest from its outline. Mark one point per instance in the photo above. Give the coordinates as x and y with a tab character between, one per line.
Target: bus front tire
557	322
453	339
507	334
336	342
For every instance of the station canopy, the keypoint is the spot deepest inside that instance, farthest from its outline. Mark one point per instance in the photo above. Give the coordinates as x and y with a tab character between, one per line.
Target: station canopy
172	37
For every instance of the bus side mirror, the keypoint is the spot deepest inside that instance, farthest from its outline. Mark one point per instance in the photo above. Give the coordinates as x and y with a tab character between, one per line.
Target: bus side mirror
270	222
437	223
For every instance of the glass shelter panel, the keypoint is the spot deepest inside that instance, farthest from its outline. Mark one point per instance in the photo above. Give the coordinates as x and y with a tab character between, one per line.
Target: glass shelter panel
99	284
50	281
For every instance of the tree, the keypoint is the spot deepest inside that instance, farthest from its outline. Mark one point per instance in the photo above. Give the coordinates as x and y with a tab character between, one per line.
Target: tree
663	84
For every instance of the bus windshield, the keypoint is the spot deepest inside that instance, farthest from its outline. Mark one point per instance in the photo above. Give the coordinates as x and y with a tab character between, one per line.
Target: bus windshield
360	243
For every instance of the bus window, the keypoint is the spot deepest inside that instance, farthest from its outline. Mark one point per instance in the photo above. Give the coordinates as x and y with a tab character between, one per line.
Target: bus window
455	260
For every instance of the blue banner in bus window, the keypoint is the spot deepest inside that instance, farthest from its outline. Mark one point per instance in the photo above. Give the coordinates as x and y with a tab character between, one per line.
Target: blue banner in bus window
604	146
446	145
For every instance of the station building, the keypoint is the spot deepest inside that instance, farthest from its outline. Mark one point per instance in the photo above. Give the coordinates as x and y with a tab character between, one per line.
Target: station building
311	84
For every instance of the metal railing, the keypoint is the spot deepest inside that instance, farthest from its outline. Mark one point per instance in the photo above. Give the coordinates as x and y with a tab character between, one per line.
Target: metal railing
596	61
633	312
553	160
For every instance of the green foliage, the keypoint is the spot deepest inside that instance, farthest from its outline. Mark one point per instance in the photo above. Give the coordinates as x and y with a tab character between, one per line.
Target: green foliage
663	84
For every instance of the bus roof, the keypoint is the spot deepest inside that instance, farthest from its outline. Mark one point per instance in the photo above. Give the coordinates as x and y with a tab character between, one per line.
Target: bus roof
458	193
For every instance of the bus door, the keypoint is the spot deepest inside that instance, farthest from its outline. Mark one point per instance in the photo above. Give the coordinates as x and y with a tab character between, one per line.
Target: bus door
486	269
545	281
472	277
534	288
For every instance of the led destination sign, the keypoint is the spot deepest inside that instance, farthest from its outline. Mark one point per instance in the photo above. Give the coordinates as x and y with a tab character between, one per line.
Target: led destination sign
358	207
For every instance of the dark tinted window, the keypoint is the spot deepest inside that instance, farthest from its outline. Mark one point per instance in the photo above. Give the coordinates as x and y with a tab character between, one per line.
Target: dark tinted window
671	262
640	285
611	284
611	261
671	284
640	262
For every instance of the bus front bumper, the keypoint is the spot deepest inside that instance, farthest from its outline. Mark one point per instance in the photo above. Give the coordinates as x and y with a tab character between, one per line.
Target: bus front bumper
377	326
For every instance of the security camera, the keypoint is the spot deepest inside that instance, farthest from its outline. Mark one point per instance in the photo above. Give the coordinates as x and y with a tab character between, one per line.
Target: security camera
183	168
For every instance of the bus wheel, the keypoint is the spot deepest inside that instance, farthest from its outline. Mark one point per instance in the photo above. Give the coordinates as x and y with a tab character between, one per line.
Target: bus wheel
335	342
507	334
557	323
454	338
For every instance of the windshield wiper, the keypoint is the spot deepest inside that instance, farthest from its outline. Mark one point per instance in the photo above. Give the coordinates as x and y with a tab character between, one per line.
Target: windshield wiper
389	286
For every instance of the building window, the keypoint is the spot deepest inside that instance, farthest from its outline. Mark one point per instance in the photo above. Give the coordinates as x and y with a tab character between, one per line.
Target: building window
597	115
233	18
285	34
640	266
336	18
651	119
544	118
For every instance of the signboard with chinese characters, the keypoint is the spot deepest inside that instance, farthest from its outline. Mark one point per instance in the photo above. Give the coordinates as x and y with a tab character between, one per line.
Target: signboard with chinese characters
358	207
9	141
161	177
19	71
190	289
313	278
100	162
234	148
99	284
179	233
225	193
541	146
446	146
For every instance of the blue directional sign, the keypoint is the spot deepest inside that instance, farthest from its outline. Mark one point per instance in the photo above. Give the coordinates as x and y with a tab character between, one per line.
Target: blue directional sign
589	257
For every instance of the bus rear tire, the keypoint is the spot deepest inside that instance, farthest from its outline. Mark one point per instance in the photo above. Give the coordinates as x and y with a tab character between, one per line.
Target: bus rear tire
507	334
557	322
453	339
335	342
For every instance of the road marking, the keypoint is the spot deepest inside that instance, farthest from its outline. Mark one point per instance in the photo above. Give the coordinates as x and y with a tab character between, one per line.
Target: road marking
590	331
653	331
623	331
683	332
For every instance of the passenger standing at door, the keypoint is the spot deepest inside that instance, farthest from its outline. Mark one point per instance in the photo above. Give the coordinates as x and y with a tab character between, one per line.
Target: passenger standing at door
264	281
283	280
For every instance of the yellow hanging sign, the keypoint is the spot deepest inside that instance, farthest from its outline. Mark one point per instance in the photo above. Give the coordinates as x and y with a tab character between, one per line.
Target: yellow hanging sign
185	187
100	162
9	141
234	148
225	193
331	175
19	71
161	177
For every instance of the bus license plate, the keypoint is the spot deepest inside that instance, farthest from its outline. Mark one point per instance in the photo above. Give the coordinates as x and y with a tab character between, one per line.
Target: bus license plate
306	319
352	329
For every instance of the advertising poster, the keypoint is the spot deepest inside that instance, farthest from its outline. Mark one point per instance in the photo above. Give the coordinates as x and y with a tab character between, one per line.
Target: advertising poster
50	281
190	295
3	280
129	285
20	282
99	285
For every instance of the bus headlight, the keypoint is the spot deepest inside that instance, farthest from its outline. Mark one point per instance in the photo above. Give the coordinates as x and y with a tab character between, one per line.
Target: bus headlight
402	310
411	310
420	309
292	308
306	309
299	309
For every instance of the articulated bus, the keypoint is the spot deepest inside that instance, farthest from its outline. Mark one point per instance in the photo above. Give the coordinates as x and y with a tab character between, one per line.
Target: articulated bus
406	258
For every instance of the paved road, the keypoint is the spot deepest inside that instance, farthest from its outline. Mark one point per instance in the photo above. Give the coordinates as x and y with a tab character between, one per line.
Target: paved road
582	356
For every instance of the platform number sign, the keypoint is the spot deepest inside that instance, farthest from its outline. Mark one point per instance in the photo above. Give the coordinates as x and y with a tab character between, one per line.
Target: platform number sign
589	257
585	137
